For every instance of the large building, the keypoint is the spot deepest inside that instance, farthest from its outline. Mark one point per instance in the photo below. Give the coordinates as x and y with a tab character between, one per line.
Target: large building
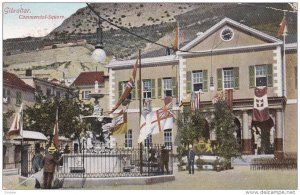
229	55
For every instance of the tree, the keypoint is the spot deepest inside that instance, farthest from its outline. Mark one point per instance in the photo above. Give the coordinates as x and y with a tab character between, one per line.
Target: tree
41	117
223	123
191	126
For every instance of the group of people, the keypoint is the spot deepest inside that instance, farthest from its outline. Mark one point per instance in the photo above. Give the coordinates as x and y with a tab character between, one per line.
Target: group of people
47	163
164	159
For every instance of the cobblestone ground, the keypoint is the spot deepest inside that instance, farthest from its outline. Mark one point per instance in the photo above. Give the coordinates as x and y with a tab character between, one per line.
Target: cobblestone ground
239	178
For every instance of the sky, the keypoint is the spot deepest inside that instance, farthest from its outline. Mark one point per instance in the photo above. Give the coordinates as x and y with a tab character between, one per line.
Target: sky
15	24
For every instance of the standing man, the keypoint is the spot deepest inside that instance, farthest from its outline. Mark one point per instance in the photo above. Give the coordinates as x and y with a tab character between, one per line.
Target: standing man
37	165
191	159
49	163
164	159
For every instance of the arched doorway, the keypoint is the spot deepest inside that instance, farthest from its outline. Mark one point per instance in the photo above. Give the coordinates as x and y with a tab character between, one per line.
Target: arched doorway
238	132
263	137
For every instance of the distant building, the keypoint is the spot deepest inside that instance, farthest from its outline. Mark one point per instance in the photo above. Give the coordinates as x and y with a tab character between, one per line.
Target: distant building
46	88
16	92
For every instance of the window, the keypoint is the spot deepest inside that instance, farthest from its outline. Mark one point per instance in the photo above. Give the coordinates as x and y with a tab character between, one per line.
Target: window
148	141
128	139
18	98
197	80
86	95
168	138
147	88
48	93
228	78
6	95
261	75
167	87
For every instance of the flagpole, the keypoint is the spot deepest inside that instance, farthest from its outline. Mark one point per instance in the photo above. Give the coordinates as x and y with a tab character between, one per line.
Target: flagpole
140	108
284	34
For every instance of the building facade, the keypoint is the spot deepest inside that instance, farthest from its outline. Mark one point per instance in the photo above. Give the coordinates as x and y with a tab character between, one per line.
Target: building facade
229	55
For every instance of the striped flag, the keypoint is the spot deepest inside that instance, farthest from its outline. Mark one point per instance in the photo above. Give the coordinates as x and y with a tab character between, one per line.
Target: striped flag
195	101
128	88
55	140
16	127
283	27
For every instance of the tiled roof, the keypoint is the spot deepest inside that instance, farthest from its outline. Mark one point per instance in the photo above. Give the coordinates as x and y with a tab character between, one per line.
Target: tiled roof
89	78
13	81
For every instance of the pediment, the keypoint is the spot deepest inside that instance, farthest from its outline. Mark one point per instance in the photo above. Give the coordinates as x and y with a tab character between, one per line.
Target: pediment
229	34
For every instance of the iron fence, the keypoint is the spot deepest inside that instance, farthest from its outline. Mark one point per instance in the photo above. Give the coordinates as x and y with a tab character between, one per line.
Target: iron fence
104	162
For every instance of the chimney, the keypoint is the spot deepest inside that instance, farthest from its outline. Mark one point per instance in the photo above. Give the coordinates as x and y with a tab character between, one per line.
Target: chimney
28	72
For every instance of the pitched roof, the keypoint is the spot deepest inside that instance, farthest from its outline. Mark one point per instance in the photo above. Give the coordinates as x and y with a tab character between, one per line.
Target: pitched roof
89	78
235	24
14	81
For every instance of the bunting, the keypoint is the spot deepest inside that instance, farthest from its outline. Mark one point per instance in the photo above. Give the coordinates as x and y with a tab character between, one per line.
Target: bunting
16	128
128	88
260	105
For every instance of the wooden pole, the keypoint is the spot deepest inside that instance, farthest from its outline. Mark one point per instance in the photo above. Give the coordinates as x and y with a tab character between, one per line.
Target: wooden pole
140	107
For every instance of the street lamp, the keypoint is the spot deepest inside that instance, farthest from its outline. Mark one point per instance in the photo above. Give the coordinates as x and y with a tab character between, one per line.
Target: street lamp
99	54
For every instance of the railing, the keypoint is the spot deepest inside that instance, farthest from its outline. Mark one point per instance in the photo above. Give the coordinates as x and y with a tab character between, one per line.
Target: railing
117	162
273	163
103	163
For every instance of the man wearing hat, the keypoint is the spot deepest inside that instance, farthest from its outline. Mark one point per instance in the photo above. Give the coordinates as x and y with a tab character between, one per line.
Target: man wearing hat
49	163
191	159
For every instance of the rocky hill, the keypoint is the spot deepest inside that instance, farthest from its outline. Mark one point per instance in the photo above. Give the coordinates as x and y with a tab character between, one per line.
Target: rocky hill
154	21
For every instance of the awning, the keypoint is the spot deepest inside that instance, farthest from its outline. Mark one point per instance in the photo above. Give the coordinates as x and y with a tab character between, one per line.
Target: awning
31	136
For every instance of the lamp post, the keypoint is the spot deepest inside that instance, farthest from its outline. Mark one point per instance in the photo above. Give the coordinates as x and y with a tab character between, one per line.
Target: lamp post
99	54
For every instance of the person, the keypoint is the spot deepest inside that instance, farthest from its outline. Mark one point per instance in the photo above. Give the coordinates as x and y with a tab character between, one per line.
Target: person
164	159
37	165
67	149
191	159
49	163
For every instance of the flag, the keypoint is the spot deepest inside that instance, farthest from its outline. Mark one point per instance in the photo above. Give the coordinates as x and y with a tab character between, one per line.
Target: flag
229	98
162	118
55	140
176	41
260	107
128	88
16	127
283	28
145	121
195	101
120	124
